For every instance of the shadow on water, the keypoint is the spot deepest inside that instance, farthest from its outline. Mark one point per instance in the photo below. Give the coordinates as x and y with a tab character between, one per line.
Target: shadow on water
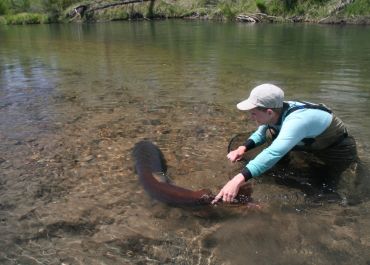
291	238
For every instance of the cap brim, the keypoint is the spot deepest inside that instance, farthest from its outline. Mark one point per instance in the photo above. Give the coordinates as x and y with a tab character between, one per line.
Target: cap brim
246	105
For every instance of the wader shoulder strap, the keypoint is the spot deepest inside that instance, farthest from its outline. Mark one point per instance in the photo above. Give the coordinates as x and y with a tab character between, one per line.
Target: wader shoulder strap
307	105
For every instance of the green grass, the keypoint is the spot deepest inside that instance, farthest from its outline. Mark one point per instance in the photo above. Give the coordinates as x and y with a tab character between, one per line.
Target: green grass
46	11
171	9
229	9
26	18
113	14
261	5
2	20
358	7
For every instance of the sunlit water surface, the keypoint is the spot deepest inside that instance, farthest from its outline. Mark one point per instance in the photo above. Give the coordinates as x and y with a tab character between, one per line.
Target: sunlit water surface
74	99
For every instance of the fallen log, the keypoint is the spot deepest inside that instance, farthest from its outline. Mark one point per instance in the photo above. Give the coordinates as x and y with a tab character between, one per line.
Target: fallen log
258	17
82	10
123	2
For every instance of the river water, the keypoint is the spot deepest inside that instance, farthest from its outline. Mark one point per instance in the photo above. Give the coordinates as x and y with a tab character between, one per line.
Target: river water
75	98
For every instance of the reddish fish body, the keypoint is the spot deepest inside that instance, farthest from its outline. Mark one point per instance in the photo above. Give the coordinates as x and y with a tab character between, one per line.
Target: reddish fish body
148	160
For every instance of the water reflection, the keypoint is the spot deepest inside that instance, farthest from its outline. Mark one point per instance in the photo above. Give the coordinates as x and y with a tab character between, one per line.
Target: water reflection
75	99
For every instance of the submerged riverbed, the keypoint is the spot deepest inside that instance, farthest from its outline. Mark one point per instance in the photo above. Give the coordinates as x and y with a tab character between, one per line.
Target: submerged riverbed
76	98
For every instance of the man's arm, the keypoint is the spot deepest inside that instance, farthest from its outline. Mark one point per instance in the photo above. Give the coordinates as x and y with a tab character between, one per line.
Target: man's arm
291	133
257	138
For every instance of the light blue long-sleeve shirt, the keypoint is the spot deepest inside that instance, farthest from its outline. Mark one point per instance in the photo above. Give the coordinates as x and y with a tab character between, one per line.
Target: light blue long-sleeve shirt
300	124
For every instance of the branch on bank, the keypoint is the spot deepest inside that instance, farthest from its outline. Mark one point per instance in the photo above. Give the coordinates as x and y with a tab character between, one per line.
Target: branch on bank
331	18
81	10
77	12
258	17
340	6
124	2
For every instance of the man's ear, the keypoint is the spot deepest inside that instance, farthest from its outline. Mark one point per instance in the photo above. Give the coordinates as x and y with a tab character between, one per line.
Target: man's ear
270	112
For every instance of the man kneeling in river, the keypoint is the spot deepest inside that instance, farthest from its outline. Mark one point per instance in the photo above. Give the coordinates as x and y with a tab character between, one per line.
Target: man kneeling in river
293	125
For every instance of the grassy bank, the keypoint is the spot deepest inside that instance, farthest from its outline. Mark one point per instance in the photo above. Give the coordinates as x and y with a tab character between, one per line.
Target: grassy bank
25	18
330	11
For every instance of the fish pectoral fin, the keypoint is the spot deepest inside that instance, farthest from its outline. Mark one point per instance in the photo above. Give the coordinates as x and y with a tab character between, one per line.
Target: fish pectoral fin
162	177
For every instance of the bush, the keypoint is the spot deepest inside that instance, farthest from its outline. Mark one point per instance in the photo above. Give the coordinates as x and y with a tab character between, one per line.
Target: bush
19	6
26	18
289	4
56	7
275	8
227	10
282	7
2	20
4	7
112	14
358	7
261	6
164	9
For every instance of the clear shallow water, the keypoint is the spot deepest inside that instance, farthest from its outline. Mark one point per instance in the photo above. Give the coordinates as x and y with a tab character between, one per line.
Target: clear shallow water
75	98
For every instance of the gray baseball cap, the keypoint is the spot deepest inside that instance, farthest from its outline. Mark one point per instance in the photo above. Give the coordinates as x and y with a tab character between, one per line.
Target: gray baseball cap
265	95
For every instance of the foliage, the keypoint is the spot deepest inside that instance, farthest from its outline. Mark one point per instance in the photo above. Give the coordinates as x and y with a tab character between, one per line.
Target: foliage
4	7
275	8
56	7
310	8
289	4
26	18
229	9
226	9
2	20
261	5
113	14
358	7
13	11
282	7
168	9
20	5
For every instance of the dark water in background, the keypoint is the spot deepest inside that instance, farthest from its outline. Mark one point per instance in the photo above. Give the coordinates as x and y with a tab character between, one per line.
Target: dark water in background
75	98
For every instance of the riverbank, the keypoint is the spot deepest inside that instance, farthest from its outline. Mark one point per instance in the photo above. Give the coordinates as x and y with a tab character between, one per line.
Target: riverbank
276	11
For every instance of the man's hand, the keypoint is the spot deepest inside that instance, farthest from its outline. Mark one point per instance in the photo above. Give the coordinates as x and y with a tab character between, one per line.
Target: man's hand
236	154
230	190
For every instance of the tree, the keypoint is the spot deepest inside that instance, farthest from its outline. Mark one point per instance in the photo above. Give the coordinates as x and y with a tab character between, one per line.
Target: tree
4	7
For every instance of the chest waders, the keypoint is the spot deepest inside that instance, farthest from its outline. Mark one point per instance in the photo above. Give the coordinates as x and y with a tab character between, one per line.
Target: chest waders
334	147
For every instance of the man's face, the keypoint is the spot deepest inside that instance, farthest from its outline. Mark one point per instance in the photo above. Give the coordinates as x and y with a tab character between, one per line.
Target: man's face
261	116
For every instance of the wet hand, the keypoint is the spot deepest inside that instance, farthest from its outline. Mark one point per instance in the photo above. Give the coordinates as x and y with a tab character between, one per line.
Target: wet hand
236	154
230	190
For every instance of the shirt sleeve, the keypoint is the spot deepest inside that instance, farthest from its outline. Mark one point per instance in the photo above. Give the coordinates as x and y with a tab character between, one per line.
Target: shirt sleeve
259	136
293	130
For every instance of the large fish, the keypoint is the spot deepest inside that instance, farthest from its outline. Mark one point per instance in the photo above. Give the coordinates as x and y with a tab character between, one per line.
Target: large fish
149	160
